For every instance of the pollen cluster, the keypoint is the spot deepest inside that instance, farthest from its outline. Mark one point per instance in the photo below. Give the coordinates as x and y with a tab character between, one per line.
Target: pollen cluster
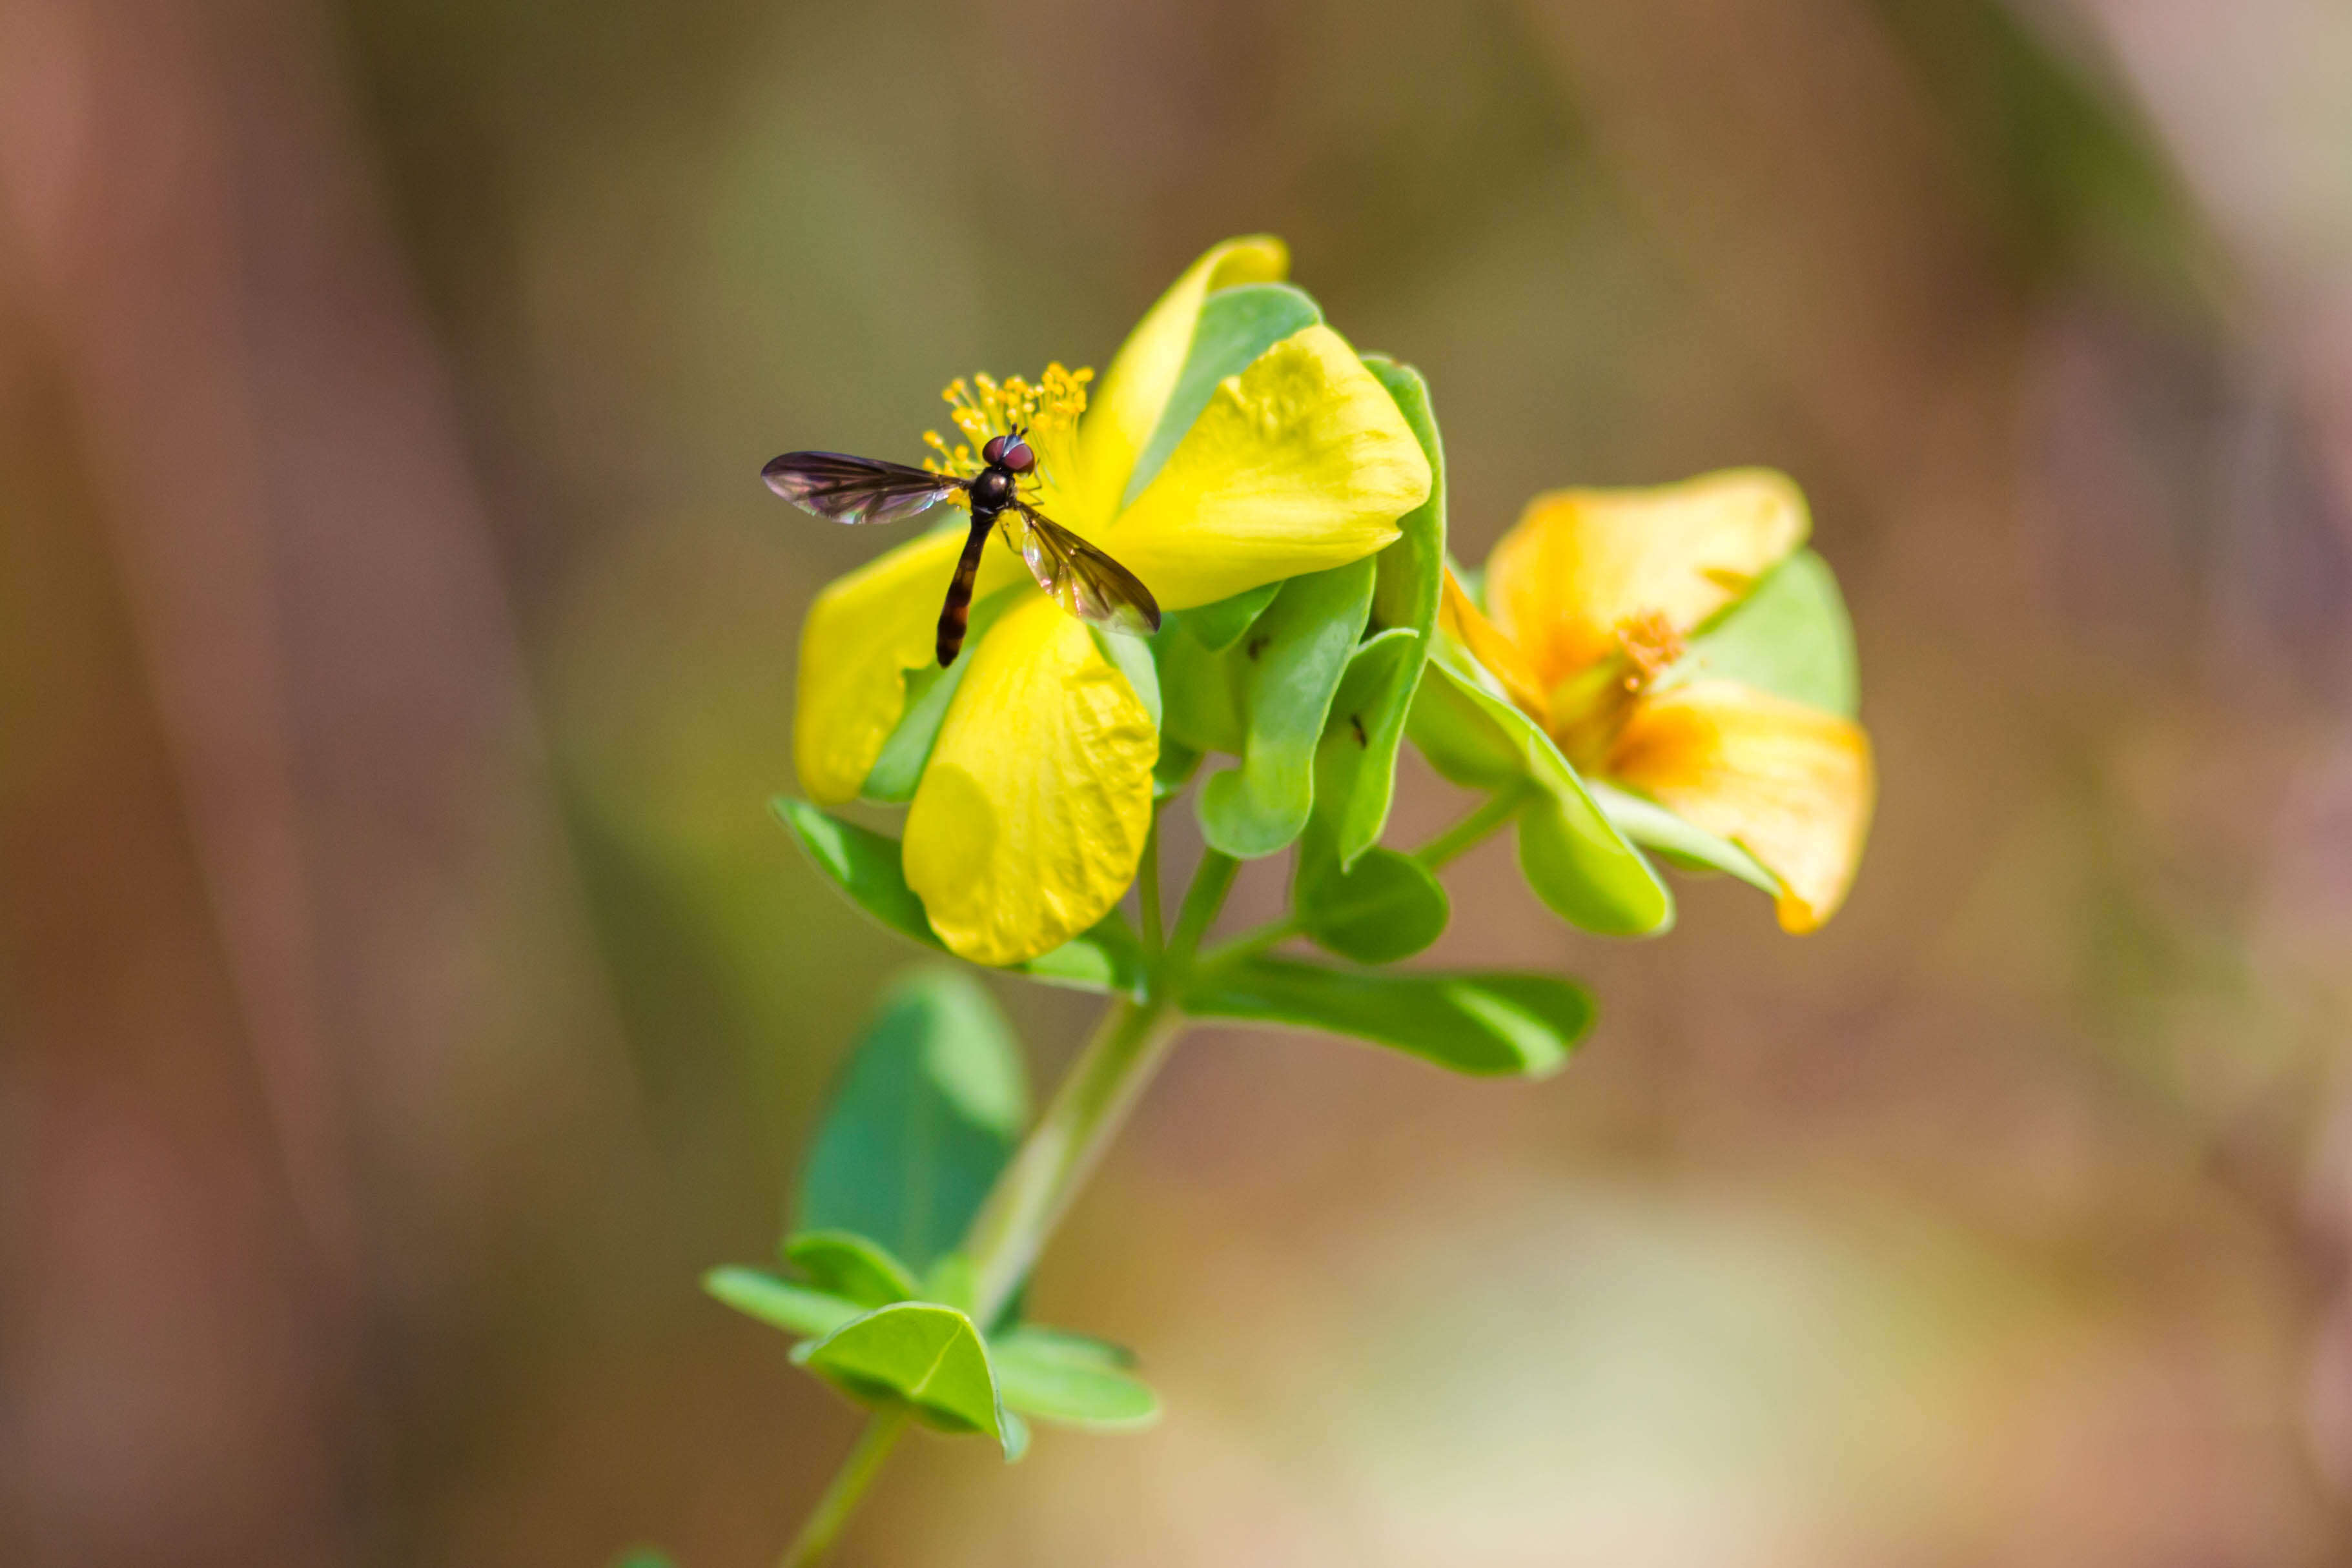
981	406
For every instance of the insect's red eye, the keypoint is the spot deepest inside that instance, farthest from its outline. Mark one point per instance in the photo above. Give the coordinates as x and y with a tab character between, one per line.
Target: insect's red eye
1020	459
995	451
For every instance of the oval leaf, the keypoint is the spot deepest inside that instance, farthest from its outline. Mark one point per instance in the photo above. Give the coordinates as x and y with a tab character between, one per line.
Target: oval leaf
1575	859
1478	1023
1288	670
1790	636
849	1265
865	866
1654	827
928	1108
1037	1379
1375	702
1388	907
798	1309
927	1355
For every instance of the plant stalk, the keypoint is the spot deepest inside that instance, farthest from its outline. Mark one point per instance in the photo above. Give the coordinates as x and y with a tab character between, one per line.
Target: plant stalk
849	1483
1035	1189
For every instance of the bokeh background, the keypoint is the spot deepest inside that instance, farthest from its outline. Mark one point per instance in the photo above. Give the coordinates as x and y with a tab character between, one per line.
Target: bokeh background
403	993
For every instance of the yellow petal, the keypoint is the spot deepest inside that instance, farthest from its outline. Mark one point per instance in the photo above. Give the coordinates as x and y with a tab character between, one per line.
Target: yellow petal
863	634
1029	821
1459	616
1580	563
1299	463
1789	784
1126	405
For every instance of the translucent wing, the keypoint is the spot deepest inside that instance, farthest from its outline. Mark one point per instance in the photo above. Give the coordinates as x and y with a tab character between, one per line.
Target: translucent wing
856	489
1080	578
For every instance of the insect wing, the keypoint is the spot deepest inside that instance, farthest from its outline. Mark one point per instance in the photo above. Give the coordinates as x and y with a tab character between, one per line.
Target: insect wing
856	489
1080	578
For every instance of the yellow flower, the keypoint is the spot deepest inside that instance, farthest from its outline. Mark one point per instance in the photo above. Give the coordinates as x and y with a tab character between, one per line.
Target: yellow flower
1030	813
1591	600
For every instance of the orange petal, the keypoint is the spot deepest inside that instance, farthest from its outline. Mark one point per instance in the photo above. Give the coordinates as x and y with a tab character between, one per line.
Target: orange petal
1789	784
1459	616
1580	563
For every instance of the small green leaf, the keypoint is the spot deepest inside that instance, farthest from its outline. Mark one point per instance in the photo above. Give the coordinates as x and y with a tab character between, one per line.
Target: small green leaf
1654	827
1289	669
642	1557
1235	327
927	1355
1217	627
1015	1435
1132	658
1036	1340
1789	636
1039	1377
1579	864
1200	692
891	781
865	864
1376	701
1388	907
929	1109
851	1266
1476	1023
798	1309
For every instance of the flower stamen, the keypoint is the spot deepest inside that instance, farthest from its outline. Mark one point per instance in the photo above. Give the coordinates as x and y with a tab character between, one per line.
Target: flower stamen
1590	708
983	407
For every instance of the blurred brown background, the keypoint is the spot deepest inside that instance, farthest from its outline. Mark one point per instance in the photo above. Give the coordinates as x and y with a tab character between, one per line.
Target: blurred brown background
403	993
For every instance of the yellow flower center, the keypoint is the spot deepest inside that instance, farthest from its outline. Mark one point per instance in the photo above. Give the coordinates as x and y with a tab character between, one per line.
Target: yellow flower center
1046	411
1590	708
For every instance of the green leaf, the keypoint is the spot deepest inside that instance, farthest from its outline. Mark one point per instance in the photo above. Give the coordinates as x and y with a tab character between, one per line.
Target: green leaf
1132	657
1789	636
642	1557
1408	584
1217	627
891	781
798	1309
850	1266
1199	692
932	1102
1235	327
1067	1345
1387	907
1651	825
927	1355
1478	1023
865	864
1038	1377
1289	669
1579	864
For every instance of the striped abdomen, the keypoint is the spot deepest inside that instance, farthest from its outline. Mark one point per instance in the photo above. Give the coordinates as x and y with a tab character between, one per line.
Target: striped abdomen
957	612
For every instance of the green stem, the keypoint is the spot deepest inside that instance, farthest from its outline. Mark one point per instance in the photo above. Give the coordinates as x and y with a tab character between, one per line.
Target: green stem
1464	834
1035	1189
1147	885
849	1483
1210	882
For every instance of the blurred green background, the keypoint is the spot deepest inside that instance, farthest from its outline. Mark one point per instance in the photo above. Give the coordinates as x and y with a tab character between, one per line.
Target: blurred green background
403	993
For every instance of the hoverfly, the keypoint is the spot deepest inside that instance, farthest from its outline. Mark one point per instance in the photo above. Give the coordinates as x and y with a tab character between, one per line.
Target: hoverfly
1074	574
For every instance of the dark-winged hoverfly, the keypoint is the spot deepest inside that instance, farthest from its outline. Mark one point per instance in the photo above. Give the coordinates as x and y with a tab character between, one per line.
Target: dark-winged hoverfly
1074	574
